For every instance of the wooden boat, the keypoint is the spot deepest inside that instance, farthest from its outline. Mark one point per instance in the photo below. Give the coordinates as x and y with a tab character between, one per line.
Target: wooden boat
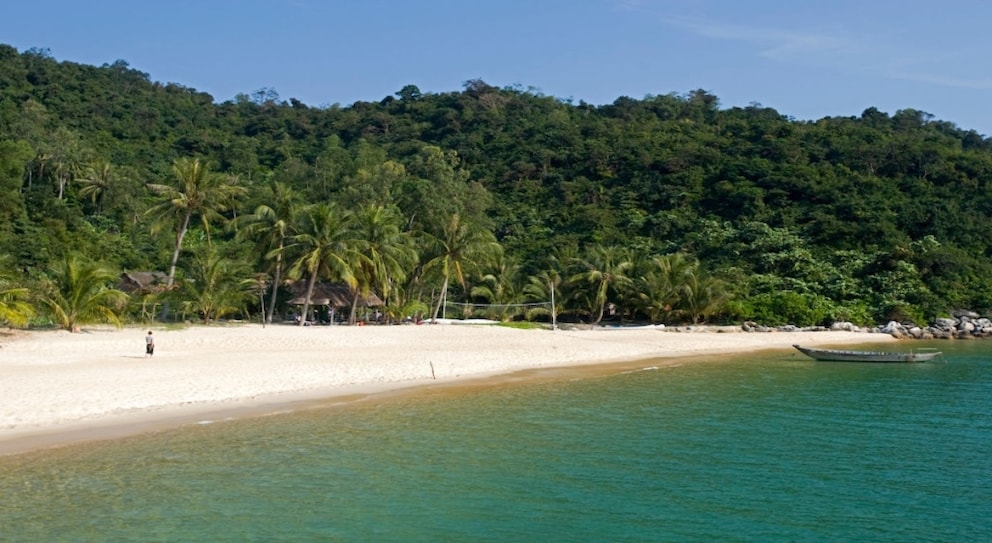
833	355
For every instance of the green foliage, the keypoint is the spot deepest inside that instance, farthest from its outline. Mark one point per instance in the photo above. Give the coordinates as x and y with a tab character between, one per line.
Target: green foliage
501	288
15	309
196	192
326	247
271	227
462	248
605	270
413	309
848	218
215	286
780	308
388	253
79	293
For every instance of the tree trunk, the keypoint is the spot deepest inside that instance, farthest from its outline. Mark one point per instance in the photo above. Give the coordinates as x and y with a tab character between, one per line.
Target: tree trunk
180	234
602	304
275	287
353	318
441	298
306	299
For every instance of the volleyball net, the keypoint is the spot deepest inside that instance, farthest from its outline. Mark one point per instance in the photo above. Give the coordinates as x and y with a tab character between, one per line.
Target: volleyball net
463	310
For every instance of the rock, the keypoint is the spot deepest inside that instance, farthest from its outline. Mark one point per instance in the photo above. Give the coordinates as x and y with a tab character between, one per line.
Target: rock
843	326
894	329
945	324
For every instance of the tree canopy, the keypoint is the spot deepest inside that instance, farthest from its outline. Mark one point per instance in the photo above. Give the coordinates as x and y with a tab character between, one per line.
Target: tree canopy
865	218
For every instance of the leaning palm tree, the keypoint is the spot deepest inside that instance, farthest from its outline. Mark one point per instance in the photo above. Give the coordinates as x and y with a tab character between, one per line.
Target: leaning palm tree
79	293
271	226
196	192
605	268
388	252
326	246
461	246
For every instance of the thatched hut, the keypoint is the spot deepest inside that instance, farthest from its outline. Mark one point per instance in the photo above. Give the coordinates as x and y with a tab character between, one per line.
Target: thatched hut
329	298
138	282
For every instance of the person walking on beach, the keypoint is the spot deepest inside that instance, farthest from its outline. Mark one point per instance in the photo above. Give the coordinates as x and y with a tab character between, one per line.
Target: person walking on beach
149	344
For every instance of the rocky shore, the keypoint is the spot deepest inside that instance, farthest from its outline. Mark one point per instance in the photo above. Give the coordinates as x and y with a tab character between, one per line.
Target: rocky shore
962	325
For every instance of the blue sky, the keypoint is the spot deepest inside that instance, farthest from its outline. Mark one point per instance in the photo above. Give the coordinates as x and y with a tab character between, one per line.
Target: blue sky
806	58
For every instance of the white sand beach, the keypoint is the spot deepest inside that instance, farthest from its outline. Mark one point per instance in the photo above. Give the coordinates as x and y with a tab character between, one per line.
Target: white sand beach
57	387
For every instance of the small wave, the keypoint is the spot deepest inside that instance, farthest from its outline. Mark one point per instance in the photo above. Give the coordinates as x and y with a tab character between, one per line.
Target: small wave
649	368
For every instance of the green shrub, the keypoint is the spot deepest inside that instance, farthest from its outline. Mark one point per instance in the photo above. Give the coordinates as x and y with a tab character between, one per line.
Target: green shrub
787	307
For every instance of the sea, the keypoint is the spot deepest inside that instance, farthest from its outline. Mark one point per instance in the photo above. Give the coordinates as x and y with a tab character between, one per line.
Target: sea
766	447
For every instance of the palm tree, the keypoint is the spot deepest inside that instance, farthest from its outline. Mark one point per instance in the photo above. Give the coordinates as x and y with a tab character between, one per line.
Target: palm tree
605	268
407	308
544	287
663	284
460	247
95	181
217	287
501	288
271	226
60	159
388	252
14	307
326	246
703	295
197	193
79	294
548	286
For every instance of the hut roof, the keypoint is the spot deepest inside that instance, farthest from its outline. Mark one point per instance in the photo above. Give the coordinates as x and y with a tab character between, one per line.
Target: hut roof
332	294
143	281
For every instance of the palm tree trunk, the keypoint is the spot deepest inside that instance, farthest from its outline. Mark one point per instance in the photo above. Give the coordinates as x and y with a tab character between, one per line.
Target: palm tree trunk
275	287
440	300
306	299
180	234
602	303
353	318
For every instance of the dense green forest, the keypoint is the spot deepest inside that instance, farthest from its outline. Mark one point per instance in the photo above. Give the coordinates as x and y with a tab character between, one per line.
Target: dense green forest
664	209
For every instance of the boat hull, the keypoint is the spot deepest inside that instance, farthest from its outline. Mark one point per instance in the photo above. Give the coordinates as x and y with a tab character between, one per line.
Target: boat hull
835	355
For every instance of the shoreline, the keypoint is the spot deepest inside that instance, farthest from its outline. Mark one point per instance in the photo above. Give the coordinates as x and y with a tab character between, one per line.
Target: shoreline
59	388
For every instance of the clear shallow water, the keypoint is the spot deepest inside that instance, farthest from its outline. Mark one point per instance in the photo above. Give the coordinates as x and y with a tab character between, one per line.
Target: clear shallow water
771	448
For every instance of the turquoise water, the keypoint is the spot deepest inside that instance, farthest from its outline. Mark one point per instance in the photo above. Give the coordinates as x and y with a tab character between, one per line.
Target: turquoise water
765	448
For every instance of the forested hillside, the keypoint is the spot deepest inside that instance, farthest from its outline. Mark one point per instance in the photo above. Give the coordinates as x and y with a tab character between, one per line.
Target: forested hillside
662	209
